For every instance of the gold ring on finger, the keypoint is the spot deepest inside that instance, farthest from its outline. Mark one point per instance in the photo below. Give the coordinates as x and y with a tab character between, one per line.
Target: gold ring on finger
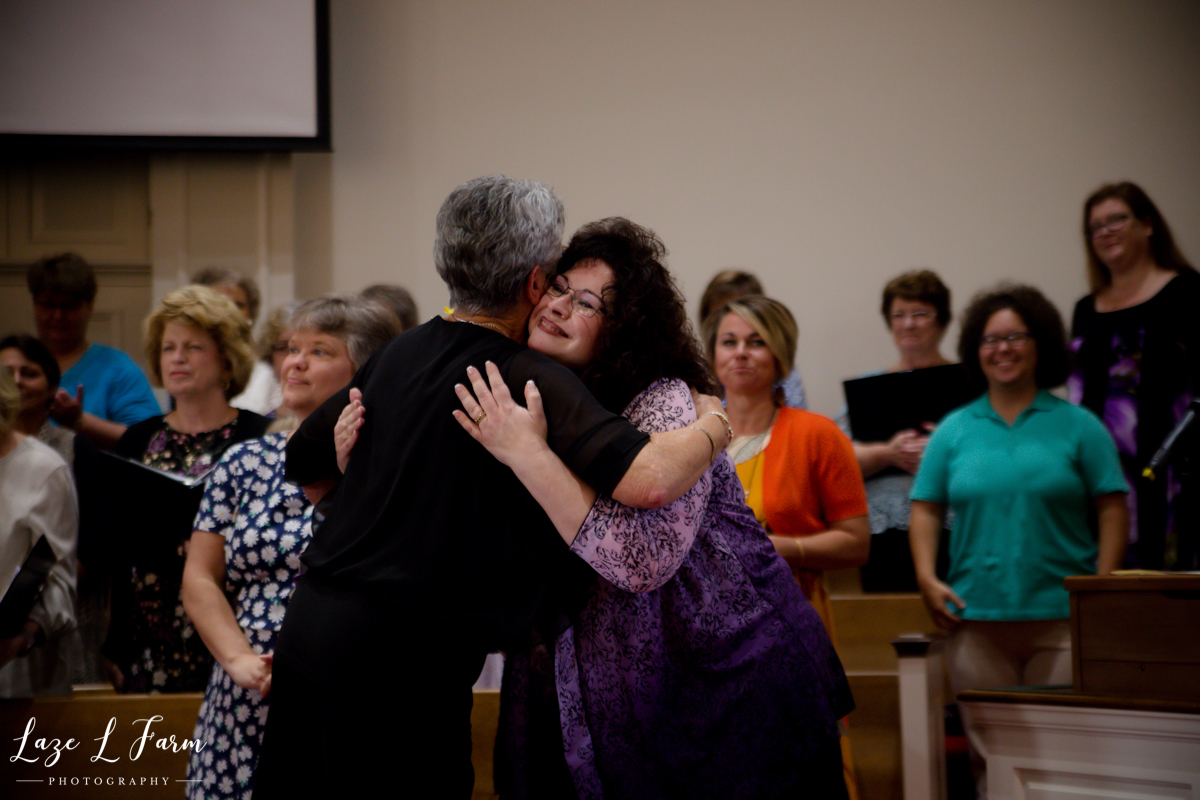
480	418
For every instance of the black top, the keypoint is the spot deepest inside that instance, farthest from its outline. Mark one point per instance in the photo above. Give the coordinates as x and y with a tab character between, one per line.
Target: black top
427	529
137	437
1153	349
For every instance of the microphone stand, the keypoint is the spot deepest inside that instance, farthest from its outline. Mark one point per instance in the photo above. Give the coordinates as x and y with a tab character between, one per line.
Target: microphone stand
1189	526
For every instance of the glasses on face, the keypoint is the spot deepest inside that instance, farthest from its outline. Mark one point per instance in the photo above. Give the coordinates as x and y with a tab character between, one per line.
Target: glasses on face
1018	339
1113	222
583	302
915	316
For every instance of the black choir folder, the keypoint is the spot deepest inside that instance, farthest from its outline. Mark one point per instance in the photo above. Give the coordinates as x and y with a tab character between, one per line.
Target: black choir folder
25	588
156	510
881	406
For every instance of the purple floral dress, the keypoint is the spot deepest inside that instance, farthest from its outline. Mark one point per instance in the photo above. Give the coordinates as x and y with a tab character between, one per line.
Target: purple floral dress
696	668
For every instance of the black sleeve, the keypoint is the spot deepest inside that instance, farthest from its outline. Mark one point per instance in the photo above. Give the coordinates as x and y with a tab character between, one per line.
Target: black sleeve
311	455
136	438
597	444
1076	316
310	452
251	425
94	531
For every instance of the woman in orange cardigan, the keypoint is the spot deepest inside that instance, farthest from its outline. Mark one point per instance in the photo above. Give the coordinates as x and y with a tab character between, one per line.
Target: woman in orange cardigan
799	470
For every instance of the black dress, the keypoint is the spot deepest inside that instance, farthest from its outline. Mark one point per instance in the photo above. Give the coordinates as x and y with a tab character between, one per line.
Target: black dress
432	555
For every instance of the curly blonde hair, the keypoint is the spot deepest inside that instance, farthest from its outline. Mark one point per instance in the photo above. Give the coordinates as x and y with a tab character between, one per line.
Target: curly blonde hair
212	312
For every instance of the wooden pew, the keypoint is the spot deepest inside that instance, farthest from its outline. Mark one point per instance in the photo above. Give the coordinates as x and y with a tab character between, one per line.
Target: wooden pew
148	772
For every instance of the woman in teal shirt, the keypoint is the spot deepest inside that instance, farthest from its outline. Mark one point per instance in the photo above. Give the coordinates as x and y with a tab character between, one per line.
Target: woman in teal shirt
1026	473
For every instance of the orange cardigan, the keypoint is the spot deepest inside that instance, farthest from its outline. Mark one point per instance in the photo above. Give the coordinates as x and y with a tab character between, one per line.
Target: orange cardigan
810	475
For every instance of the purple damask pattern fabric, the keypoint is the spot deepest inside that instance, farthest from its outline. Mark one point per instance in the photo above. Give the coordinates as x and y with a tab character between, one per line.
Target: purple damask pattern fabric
696	667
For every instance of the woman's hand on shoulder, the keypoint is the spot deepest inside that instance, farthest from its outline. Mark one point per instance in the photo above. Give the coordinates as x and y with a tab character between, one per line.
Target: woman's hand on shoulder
345	432
938	598
496	421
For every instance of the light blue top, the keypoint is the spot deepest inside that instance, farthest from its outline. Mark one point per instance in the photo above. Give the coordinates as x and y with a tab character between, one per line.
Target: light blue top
793	391
1022	497
114	388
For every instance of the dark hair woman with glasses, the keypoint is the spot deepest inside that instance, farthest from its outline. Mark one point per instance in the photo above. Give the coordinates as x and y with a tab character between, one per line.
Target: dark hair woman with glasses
1024	473
692	665
1137	364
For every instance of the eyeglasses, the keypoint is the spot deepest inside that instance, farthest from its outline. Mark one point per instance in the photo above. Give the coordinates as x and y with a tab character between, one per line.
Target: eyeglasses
1115	222
583	302
1018	339
915	316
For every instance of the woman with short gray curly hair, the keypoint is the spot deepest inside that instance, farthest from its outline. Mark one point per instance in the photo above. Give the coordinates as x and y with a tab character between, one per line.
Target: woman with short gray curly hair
430	543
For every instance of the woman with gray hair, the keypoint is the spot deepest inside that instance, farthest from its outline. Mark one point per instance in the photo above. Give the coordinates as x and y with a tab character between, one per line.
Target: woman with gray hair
249	534
432	554
37	501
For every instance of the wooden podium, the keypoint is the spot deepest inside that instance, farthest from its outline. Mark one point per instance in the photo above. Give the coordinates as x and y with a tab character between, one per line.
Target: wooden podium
1130	725
1136	635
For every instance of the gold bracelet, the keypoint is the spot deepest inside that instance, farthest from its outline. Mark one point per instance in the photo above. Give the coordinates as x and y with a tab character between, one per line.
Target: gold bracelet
712	443
724	421
800	544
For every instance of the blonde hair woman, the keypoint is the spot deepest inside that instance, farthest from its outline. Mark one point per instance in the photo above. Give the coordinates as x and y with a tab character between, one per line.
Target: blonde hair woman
198	347
798	469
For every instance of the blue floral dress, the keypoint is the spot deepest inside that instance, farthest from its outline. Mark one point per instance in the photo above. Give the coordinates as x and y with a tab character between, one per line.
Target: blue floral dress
266	523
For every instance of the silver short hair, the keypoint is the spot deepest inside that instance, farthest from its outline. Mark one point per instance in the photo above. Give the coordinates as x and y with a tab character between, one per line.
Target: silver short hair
363	326
490	233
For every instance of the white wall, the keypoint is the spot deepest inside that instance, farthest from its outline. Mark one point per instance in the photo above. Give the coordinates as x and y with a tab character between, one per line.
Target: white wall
826	145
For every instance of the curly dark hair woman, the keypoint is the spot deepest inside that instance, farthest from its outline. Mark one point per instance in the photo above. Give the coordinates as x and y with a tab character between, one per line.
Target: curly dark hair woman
647	335
1040	316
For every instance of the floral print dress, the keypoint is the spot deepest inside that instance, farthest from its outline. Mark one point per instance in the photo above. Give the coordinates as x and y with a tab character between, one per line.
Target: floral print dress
266	523
151	637
695	669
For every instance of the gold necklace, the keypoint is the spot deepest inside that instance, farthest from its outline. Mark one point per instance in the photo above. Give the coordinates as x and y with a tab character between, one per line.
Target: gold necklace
491	325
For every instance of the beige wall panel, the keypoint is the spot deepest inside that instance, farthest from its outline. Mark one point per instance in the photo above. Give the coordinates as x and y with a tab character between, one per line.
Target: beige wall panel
230	210
122	303
95	206
313	174
16	309
4	190
827	145
224	213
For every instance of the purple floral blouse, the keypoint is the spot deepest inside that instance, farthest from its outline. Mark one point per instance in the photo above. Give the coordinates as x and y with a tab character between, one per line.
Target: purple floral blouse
696	667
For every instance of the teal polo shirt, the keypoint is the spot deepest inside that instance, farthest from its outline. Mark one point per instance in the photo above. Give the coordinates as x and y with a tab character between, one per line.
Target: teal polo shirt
1023	497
